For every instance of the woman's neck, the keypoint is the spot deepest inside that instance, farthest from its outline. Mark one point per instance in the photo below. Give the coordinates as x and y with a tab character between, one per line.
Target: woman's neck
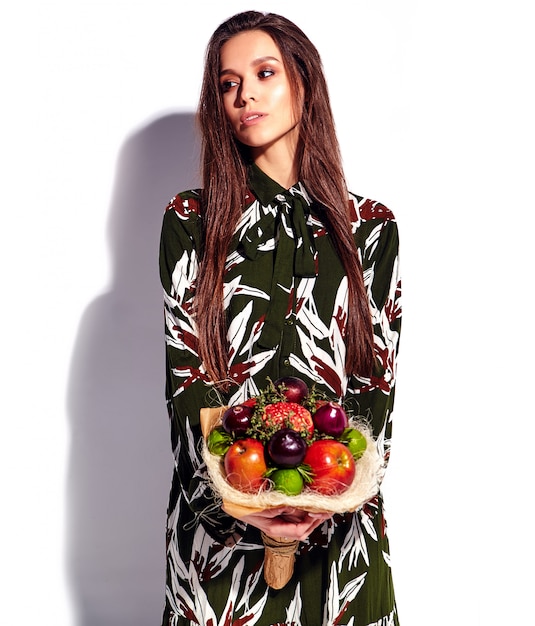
282	168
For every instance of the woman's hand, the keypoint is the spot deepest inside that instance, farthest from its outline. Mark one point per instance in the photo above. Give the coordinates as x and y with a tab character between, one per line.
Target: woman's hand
286	521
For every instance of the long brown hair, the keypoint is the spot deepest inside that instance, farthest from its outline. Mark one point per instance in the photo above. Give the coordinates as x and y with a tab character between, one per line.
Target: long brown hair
224	178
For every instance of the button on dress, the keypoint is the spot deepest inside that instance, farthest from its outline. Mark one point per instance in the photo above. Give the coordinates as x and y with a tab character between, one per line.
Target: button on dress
285	295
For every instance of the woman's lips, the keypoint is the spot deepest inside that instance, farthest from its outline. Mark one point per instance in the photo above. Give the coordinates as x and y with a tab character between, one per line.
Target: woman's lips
251	118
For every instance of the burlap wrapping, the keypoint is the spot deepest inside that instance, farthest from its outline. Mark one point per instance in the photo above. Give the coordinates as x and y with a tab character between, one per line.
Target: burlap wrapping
280	553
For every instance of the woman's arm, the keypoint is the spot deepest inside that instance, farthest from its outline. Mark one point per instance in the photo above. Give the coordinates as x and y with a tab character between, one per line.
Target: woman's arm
187	386
373	397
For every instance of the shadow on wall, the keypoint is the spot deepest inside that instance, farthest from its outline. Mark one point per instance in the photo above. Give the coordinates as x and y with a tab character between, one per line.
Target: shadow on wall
120	458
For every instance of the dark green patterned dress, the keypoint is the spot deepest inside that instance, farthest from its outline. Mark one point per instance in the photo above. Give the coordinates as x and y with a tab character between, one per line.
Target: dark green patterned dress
286	299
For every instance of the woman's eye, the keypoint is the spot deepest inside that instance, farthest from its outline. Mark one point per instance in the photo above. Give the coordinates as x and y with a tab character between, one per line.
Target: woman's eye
266	73
227	85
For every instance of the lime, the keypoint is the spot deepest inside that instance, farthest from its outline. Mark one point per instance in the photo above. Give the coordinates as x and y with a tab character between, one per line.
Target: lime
218	441
355	441
288	481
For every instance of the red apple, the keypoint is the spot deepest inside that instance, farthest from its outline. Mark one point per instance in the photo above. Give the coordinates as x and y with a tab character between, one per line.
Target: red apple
330	419
245	465
333	466
293	388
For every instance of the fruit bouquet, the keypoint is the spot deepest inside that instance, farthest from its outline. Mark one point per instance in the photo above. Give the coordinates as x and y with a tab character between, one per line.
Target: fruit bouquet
288	446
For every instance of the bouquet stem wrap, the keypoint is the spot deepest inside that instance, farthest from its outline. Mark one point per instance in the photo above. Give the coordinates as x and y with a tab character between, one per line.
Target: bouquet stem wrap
279	560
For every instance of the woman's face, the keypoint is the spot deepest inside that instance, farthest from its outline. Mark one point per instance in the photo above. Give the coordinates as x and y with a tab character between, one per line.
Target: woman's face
257	96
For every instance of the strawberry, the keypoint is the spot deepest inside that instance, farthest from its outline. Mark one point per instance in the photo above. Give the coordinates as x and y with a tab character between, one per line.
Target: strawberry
288	414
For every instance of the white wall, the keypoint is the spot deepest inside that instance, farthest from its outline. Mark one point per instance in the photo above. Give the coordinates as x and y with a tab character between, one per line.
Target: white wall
434	106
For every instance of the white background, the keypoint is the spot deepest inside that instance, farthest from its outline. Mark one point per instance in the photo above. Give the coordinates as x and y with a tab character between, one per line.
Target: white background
434	107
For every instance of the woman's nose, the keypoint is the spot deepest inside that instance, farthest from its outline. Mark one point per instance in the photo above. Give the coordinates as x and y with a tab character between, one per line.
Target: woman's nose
248	92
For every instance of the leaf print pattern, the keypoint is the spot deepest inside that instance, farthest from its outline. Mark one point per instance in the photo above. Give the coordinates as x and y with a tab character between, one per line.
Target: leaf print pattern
214	562
339	600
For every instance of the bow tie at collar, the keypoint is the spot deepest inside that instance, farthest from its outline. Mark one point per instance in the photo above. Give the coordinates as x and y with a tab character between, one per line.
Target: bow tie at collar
287	220
295	254
290	223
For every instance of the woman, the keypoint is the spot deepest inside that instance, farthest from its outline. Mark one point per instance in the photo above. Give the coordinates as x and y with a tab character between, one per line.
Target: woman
274	269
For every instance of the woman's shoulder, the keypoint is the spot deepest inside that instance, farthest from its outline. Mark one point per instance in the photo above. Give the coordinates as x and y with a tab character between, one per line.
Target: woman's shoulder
185	204
182	220
375	229
365	210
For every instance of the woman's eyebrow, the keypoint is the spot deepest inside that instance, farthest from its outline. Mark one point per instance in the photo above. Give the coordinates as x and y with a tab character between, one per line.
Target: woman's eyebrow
252	64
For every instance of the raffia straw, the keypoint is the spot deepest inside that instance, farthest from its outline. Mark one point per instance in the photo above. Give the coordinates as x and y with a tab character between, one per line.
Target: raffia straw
279	560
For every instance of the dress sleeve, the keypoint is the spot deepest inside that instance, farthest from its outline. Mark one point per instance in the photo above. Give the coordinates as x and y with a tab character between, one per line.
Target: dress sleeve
187	385
373	398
